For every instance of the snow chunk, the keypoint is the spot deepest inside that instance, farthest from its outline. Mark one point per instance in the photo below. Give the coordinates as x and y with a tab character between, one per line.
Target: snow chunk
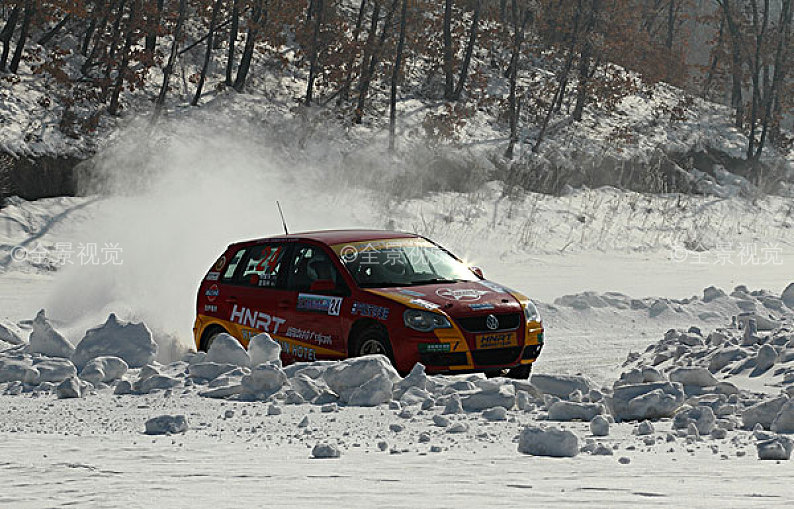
480	400
561	385
784	421
69	388
348	375
778	448
55	370
104	369
553	442
131	342
763	413
702	417
711	293
693	376
209	370
788	296
326	451
227	350
263	349
18	370
373	393
10	333
47	341
599	426
417	378
494	414
166	425
646	401
264	380
570	411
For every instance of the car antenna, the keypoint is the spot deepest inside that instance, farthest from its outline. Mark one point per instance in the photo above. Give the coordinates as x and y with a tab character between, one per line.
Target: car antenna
281	213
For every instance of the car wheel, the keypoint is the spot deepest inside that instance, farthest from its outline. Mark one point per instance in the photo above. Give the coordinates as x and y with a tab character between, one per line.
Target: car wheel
209	337
520	372
372	341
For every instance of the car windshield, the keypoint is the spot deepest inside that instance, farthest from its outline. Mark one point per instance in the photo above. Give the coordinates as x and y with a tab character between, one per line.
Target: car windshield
401	262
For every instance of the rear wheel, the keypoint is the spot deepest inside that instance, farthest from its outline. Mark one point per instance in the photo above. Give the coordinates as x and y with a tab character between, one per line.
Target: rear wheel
520	372
209	336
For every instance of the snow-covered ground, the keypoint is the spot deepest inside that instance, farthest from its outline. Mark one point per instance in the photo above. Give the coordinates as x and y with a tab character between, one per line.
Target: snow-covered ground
567	252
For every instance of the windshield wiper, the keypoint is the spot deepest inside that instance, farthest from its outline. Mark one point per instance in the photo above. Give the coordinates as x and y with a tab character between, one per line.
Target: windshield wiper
432	281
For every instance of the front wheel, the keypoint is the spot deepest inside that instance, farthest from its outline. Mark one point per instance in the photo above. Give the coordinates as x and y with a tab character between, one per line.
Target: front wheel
373	341
521	372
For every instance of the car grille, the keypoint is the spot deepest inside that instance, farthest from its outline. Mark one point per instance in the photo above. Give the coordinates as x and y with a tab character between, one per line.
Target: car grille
531	352
496	356
507	321
443	359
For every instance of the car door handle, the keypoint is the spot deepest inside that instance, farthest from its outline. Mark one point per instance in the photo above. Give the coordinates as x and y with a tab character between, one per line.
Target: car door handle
231	300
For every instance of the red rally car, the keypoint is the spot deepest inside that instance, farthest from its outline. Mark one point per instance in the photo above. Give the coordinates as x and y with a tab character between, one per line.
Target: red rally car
347	293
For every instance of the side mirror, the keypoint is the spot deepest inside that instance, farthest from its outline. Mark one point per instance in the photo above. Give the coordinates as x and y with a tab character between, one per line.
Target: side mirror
477	272
322	285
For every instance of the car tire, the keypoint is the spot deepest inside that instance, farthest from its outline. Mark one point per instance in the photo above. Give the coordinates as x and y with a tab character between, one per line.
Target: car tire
521	372
209	336
373	340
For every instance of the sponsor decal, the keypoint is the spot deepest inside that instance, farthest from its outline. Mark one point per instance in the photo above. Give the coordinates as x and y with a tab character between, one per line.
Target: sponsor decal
480	306
308	335
210	308
219	264
212	293
319	304
497	340
412	293
267	280
301	352
461	294
256	319
424	303
213	276
434	347
370	310
492	286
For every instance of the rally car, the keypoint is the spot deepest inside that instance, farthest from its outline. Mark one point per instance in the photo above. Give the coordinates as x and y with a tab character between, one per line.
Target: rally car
348	293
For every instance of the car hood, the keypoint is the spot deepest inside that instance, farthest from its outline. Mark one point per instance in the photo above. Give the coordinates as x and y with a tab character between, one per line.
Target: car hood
456	299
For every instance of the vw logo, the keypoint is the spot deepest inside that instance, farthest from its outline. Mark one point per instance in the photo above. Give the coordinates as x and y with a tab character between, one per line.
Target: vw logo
492	322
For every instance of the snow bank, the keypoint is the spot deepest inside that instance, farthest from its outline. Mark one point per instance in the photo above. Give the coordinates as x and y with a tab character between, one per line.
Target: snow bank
553	442
131	342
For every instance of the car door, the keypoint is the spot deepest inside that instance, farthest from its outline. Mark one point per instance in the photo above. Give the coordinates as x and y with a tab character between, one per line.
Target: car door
252	296
313	305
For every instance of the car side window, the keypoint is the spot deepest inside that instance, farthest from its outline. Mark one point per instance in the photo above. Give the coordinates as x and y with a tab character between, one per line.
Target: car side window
232	267
261	266
310	264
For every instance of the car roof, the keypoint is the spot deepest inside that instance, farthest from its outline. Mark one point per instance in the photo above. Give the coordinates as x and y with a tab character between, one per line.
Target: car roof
331	237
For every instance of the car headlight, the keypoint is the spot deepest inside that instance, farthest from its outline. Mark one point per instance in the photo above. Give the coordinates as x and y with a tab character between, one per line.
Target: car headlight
531	312
425	321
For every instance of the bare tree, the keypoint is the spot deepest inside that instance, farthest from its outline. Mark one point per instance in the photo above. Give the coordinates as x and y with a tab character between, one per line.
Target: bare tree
233	31
344	93
259	14
30	9
6	34
169	67
318	6
395	76
449	60
464	71
208	54
520	20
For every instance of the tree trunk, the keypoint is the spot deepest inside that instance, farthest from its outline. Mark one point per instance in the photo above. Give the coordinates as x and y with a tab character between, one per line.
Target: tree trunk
89	31
715	60
448	55
518	39
319	8
248	51
344	93
30	7
395	76
47	37
151	37
5	36
584	62
89	61
464	71
169	67
208	55
113	109
370	59
233	31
